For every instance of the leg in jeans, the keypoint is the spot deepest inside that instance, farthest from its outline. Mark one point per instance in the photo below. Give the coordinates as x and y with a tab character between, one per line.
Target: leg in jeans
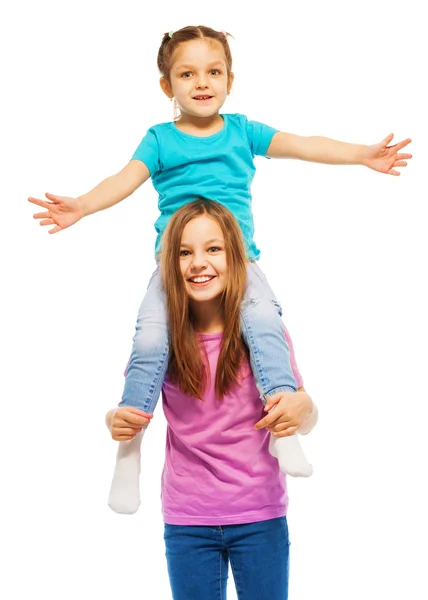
144	377
197	562
259	555
263	332
198	557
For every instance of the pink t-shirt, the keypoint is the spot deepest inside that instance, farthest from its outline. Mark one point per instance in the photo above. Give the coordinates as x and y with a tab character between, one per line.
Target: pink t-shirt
218	469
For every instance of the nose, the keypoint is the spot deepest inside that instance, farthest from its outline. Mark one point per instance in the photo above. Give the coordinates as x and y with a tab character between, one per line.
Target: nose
199	263
201	81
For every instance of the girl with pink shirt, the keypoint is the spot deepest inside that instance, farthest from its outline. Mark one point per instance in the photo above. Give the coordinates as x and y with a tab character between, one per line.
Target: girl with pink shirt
224	497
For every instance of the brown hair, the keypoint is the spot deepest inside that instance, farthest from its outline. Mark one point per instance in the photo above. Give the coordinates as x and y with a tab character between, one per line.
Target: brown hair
187	366
170	44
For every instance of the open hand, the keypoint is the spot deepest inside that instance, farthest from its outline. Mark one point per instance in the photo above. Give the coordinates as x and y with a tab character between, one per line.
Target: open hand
61	211
385	159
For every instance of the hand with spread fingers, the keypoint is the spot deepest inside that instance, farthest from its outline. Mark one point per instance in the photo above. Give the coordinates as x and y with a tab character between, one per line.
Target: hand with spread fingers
61	211
385	159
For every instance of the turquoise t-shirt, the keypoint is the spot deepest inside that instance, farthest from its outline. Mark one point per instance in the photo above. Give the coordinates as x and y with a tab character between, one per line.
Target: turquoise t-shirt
220	167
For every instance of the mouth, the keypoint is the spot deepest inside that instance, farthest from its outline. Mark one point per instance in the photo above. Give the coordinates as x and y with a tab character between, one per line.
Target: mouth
201	280
202	98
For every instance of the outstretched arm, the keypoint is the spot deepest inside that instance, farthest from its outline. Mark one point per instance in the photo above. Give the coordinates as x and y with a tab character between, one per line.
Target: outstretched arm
63	211
380	157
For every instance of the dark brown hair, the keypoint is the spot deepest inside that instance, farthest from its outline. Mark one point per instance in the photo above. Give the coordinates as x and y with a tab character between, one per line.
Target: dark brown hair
187	366
170	44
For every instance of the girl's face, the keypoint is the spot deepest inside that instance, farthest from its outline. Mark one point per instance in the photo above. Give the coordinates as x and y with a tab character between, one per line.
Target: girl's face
198	78
203	259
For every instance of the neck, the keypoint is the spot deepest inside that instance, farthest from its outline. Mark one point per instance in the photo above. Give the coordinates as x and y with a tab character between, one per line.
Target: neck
208	316
207	125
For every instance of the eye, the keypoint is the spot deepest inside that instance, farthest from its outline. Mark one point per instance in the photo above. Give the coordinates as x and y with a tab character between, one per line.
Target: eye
184	252
184	75
215	72
214	249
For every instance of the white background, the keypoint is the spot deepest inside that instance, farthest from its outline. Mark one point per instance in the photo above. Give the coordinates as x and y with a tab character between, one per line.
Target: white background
344	248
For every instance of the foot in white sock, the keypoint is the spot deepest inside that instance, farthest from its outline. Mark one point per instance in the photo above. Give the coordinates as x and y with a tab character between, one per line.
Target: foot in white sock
124	495
290	456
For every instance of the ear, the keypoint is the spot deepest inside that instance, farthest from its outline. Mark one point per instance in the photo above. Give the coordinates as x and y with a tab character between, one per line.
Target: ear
230	80
166	87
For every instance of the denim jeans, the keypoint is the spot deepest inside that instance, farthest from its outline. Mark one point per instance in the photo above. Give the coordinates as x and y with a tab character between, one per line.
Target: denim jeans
198	560
262	330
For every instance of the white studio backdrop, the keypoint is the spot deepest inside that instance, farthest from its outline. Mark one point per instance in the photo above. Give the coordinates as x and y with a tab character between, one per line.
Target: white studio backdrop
344	248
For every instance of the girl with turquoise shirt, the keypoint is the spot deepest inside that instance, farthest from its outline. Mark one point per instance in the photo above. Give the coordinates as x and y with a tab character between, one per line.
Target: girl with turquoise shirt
207	153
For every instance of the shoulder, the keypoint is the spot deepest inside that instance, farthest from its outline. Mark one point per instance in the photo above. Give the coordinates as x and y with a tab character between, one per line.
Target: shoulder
160	129
249	126
236	119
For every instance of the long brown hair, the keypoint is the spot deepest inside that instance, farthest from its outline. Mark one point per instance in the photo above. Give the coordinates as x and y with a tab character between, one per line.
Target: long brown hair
187	366
172	40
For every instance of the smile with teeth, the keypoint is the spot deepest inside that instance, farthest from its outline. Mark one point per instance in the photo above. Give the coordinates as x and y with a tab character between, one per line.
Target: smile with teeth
201	279
202	97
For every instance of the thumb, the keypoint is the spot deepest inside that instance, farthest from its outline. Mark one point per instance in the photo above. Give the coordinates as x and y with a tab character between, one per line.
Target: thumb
388	139
272	400
140	412
53	197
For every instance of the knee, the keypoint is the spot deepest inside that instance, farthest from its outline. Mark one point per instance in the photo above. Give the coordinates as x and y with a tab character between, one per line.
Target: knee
151	334
261	313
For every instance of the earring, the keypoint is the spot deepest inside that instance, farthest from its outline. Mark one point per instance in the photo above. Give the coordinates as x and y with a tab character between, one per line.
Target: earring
176	110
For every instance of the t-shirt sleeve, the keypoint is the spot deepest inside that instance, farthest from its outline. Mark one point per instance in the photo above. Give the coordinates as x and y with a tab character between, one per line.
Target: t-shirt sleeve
148	151
259	137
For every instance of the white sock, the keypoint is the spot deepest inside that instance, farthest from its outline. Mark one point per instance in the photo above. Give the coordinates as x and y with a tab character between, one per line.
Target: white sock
290	456
124	495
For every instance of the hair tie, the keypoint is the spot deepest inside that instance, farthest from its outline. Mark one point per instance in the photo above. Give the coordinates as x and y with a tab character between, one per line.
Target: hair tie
224	33
171	33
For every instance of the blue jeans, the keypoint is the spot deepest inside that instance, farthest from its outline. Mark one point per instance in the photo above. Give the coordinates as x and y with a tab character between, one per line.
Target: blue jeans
262	330
198	560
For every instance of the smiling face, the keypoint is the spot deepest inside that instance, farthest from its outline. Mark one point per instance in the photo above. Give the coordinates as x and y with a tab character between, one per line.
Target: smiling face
203	259
198	78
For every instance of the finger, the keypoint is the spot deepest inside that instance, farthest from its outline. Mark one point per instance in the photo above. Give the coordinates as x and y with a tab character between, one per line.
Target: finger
138	425
400	145
394	172
284	426
137	411
388	139
136	420
400	163
280	422
285	433
125	431
120	421
272	401
54	198
47	222
130	420
270	420
41	203
55	229
42	215
402	156
123	438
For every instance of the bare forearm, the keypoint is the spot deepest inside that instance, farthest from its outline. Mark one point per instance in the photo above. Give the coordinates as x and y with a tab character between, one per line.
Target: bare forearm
106	194
316	149
115	188
333	152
